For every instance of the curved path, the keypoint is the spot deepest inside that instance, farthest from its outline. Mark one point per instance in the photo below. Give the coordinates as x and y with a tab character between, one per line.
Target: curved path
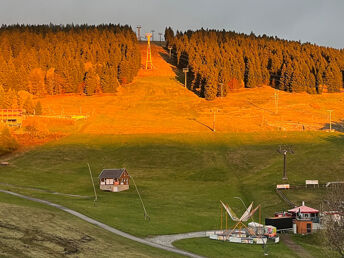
104	226
167	240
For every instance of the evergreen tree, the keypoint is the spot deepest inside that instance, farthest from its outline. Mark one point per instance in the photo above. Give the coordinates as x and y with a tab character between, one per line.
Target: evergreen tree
38	108
92	83
28	106
333	78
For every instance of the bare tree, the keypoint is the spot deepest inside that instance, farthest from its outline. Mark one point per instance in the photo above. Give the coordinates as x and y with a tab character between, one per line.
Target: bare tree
333	220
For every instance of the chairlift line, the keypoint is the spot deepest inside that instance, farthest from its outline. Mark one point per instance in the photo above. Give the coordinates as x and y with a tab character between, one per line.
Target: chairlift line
143	206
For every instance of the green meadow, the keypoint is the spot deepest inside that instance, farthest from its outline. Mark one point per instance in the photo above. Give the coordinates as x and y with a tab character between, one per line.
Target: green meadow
181	177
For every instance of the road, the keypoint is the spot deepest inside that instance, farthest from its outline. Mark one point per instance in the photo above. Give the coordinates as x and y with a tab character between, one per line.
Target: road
104	226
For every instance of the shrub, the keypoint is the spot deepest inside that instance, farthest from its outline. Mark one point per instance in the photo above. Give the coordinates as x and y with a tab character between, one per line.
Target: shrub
8	143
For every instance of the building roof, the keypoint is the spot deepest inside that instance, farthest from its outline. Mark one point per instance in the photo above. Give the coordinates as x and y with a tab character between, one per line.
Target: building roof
111	173
303	209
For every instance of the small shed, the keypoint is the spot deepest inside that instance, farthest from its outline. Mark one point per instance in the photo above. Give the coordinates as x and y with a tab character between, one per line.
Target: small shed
302	226
114	180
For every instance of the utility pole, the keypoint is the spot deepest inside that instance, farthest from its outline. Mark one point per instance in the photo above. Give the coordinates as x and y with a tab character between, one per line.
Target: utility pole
215	110
221	84
94	188
170	48
152	31
285	149
138	32
330	111
146	216
160	35
276	101
149	52
185	70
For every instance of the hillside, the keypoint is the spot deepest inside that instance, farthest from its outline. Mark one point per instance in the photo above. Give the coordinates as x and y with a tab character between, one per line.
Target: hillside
157	102
162	134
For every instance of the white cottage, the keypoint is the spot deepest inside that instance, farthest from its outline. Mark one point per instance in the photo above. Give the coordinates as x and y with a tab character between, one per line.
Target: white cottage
114	180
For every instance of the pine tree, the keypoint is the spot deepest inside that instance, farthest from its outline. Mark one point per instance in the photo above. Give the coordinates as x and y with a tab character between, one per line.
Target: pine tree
2	96
92	83
333	77
38	108
28	106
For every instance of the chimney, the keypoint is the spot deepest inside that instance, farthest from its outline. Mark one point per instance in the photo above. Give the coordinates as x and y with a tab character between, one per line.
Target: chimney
303	203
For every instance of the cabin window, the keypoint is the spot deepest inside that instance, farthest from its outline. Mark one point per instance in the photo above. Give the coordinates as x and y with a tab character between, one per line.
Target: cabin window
109	181
102	181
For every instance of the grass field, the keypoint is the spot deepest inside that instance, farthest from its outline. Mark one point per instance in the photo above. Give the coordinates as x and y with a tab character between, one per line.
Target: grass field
181	177
28	229
212	248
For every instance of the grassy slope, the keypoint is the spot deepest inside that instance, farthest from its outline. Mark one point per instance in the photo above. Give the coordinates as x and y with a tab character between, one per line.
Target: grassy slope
28	229
212	248
181	177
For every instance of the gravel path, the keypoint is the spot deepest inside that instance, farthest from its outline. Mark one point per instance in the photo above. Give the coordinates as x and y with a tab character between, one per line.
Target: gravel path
104	226
167	240
298	250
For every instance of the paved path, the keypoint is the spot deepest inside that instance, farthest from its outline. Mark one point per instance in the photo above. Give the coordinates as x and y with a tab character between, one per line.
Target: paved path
167	240
104	226
297	249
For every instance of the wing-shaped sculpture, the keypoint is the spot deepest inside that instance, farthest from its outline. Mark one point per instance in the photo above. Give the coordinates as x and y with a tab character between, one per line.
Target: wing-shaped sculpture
246	214
254	211
230	212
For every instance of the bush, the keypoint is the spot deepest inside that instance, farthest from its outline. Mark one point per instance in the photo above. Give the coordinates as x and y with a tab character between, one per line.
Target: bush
36	127
7	141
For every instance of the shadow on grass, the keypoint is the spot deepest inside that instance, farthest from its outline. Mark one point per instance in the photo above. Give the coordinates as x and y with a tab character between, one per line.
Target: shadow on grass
335	126
207	126
180	76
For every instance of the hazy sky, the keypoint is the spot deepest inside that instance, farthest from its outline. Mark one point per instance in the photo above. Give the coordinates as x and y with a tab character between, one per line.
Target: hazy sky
316	21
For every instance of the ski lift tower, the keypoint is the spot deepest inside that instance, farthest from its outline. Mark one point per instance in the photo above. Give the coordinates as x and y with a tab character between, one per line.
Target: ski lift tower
149	62
285	149
138	32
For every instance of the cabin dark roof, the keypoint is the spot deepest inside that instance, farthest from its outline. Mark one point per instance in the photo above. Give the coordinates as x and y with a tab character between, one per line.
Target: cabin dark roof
111	173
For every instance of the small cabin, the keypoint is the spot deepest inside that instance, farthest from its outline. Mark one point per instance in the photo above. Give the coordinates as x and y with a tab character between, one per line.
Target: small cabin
114	180
12	117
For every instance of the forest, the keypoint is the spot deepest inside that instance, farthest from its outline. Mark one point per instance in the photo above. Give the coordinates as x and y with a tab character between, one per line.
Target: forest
57	59
222	61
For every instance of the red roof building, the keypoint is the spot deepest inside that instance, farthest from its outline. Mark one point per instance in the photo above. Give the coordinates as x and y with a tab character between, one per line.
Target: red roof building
303	209
304	212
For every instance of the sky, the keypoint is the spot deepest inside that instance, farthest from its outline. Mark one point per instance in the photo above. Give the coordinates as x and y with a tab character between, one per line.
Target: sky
314	21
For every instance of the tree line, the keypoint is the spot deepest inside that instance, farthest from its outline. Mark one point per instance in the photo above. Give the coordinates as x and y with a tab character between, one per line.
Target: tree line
220	61
57	59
